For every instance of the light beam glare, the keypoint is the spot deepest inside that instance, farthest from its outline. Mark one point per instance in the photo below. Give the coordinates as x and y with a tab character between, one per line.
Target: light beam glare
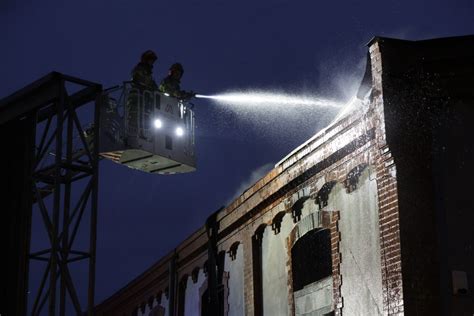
260	98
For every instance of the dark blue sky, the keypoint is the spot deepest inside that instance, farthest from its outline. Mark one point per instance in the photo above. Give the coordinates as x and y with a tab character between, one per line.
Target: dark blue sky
316	46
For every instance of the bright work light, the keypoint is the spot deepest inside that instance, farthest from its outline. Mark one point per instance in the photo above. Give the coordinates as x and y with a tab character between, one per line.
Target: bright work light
158	123
179	131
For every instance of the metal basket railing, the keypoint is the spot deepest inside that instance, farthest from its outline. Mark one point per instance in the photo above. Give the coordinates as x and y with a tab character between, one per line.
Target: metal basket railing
141	106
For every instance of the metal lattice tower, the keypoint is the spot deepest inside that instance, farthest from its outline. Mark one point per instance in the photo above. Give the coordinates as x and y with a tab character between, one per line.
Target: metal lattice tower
62	169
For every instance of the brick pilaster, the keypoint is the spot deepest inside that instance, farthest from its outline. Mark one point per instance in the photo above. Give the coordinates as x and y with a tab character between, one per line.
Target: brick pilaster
248	271
336	262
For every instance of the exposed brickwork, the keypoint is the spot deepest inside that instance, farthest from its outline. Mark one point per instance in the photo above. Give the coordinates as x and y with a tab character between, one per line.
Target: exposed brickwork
336	263
248	271
387	200
290	241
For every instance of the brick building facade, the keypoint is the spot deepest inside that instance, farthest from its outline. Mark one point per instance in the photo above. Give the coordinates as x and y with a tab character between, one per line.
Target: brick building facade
371	216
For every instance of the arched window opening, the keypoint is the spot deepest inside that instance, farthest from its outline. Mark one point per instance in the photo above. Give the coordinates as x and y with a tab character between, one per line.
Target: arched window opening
311	265
257	270
311	258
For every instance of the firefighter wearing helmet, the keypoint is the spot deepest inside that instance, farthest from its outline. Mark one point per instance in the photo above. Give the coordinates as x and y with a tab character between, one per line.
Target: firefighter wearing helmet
142	73
171	83
142	80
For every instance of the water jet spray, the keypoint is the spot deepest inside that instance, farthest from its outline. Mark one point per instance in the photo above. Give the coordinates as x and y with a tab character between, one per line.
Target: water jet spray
271	112
274	99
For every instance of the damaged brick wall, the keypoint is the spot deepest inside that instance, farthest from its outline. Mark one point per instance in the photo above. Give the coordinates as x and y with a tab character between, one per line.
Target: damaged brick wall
367	139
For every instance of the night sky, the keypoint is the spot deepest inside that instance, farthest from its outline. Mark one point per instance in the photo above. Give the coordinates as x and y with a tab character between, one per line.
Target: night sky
293	46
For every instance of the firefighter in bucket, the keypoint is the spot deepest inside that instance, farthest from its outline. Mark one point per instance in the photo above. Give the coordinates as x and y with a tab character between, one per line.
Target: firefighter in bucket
171	83
142	81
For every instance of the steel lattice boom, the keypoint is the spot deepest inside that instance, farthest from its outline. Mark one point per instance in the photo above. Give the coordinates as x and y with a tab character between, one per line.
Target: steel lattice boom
63	175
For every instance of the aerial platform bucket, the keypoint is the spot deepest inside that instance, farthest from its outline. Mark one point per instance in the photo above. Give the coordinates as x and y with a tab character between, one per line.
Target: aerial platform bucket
148	131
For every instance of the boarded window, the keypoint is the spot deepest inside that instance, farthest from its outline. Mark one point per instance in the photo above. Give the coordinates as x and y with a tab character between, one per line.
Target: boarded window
311	258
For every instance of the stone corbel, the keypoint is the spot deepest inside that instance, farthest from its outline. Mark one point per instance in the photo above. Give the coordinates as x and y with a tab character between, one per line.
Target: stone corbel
322	197
352	178
276	223
233	250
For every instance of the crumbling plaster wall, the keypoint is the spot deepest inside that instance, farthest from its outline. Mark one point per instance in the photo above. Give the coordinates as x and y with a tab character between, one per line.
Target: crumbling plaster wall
192	296
235	268
361	274
274	274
